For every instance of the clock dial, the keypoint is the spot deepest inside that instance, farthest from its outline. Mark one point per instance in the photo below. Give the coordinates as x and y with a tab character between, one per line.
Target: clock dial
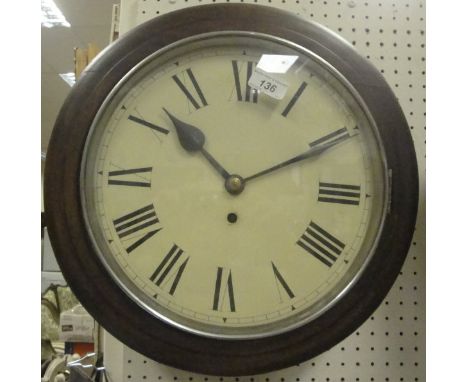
266	236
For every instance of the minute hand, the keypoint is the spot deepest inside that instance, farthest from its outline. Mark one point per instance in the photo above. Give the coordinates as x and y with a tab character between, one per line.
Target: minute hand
312	152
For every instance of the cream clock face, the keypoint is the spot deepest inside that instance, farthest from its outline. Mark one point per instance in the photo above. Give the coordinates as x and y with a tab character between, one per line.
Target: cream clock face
228	206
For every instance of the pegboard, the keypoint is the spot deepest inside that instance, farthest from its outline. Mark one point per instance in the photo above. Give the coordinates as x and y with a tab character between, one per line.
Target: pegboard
390	346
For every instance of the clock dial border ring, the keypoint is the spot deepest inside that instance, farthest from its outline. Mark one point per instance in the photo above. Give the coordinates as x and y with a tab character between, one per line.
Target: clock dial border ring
157	339
118	274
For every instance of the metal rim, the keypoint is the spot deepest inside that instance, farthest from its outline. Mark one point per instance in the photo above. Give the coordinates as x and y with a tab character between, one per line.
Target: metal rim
341	79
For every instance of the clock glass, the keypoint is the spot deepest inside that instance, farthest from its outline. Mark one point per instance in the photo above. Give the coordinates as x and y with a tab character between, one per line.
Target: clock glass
233	185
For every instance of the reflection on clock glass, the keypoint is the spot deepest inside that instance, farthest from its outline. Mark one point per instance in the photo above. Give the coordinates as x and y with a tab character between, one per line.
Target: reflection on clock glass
233	185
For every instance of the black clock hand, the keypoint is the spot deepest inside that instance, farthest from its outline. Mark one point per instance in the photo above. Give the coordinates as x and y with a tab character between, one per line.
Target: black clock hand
192	139
312	152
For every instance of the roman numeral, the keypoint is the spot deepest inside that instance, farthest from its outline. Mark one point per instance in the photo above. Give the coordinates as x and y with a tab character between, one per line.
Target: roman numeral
117	178
337	135
136	222
281	281
168	269
248	89
148	124
321	244
222	288
294	99
339	193
191	97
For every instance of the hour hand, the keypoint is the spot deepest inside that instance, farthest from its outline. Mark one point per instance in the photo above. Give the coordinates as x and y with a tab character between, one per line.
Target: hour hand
192	139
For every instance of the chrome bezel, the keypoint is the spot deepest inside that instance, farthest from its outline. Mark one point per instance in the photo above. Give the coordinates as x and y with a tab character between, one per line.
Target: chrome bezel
141	298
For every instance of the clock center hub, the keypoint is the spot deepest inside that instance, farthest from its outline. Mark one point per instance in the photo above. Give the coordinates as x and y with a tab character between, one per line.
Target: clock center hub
234	184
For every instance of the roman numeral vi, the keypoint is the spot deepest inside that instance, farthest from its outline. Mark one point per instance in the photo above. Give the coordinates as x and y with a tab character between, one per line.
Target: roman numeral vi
221	288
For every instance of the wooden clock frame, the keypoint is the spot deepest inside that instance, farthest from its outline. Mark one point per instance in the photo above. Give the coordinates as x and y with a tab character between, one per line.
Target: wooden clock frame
108	303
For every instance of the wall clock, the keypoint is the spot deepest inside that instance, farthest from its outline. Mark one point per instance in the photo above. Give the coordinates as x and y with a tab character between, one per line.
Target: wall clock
231	189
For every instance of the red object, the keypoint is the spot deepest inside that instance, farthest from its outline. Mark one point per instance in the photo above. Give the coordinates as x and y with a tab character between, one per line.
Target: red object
82	348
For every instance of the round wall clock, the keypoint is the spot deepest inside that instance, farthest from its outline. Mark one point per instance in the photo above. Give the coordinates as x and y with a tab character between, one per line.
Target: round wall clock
231	189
